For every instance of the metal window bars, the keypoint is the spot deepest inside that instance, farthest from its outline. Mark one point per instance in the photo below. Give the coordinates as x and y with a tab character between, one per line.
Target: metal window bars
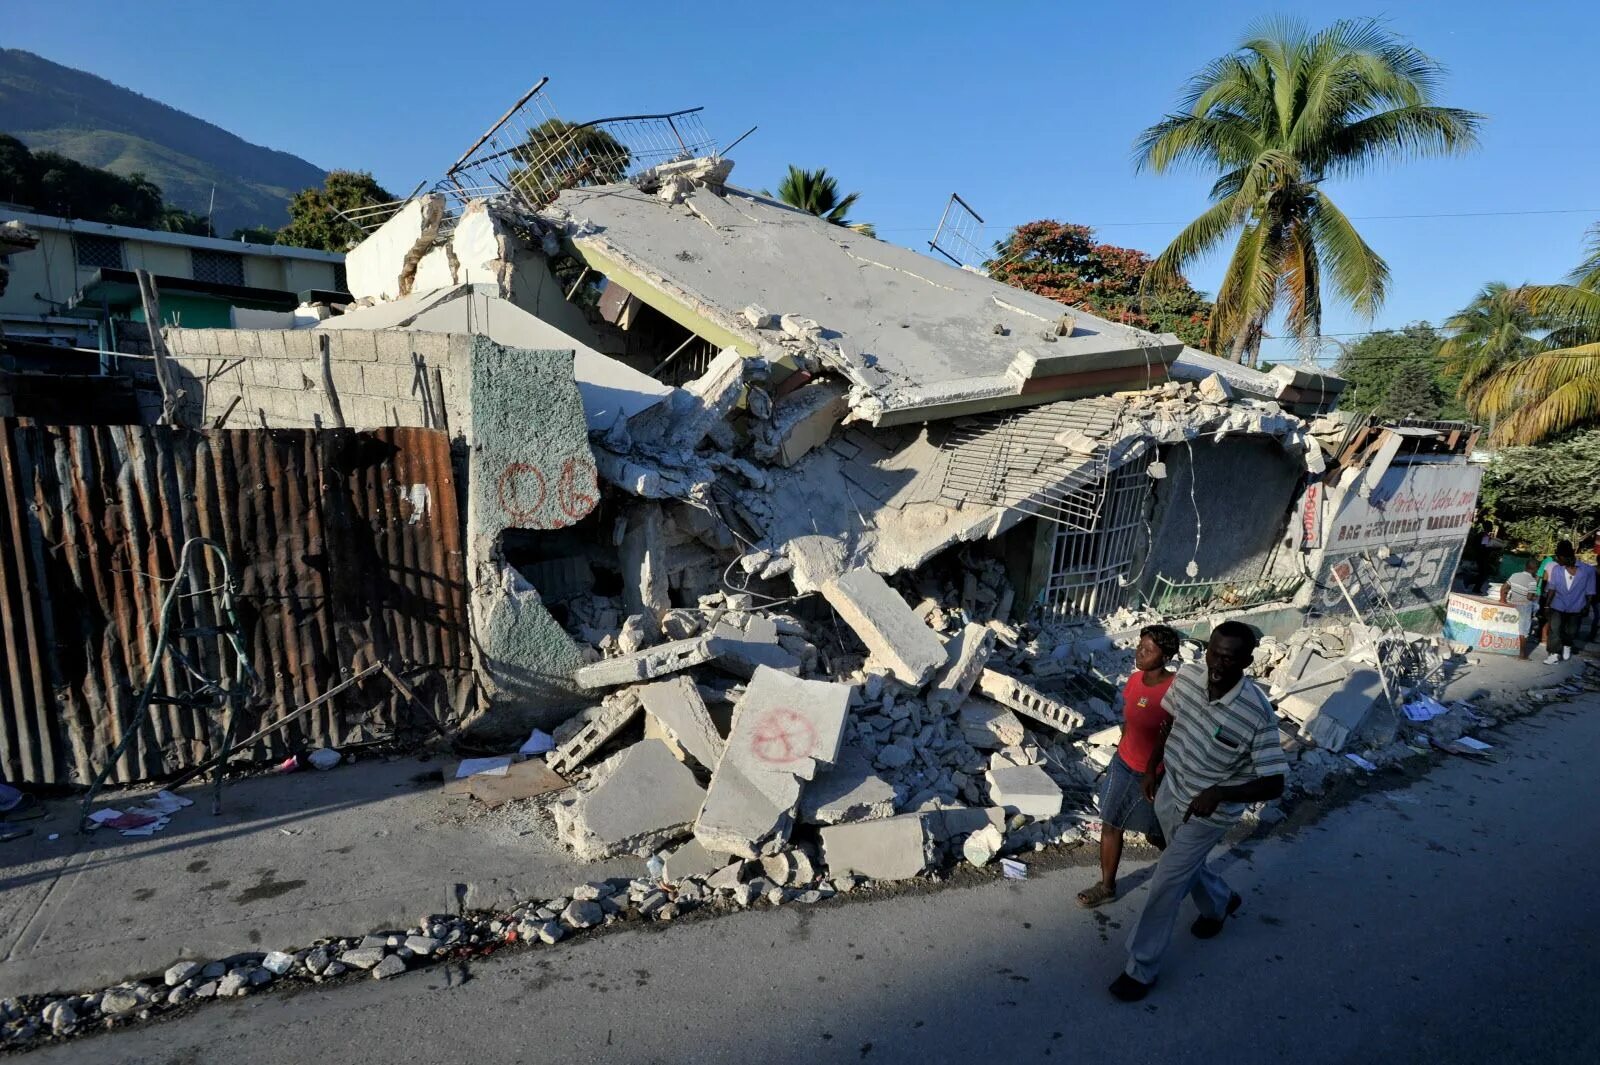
1088	568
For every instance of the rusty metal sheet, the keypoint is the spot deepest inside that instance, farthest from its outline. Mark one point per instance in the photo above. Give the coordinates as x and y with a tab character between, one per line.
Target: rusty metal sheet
343	545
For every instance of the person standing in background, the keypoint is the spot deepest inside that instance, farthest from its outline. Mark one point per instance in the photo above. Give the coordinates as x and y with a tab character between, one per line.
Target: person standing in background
1569	593
1521	590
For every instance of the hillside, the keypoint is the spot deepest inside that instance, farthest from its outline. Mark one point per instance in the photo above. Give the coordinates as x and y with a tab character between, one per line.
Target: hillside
55	108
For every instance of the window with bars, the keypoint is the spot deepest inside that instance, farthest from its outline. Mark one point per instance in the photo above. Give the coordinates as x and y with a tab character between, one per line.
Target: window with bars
219	267
1087	567
99	253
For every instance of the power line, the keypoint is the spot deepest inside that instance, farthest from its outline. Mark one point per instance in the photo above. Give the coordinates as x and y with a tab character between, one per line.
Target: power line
1353	218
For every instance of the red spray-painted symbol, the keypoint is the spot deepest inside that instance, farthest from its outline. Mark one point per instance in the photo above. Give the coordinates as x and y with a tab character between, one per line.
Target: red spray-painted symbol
782	737
519	483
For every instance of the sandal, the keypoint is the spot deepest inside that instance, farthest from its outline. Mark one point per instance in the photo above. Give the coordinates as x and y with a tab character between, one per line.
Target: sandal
1095	896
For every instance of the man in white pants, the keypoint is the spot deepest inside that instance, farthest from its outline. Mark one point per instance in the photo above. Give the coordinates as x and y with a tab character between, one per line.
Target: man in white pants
1221	751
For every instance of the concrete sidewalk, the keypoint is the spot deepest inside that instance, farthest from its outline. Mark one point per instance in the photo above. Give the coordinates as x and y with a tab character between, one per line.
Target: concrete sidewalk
291	858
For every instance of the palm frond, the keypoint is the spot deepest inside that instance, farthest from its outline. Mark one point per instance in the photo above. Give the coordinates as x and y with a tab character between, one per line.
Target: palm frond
1398	135
1573	403
1359	273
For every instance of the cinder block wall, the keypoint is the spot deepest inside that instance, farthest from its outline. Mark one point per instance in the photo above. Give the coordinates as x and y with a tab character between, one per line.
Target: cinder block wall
278	372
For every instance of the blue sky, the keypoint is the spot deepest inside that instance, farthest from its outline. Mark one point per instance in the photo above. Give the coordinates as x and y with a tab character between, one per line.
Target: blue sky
1027	109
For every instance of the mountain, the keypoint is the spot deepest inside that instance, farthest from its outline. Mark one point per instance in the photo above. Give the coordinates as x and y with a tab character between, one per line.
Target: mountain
50	107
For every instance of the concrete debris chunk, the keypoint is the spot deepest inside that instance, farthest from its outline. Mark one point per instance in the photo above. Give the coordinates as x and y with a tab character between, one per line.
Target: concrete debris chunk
784	730
982	846
182	972
1026	790
582	913
677	704
648	664
741	648
645	798
1215	390
895	637
851	790
968	654
389	967
1334	702
988	725
614	714
362	957
891	848
1028	701
691	859
760	317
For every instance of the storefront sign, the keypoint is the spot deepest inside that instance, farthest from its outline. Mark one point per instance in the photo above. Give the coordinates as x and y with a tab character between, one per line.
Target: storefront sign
1419	504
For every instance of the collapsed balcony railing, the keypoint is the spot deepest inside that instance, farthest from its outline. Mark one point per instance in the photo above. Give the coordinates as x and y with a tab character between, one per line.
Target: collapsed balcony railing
1170	596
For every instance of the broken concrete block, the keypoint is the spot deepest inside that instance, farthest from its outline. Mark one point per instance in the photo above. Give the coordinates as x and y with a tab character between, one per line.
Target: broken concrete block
760	317
601	726
1028	701
676	704
645	798
784	731
850	790
981	847
988	726
644	563
967	655
645	665
691	859
741	648
1333	703
1026	790
804	419
1214	389
897	639
947	822
800	328
890	848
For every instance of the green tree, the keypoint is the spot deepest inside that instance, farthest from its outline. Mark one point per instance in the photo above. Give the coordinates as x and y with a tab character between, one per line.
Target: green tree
559	155
815	192
1397	373
314	218
1495	330
53	184
1553	391
1546	493
1287	111
1064	262
177	220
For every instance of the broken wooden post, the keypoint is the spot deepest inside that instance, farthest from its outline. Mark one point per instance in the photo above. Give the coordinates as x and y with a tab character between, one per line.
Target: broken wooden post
327	382
170	393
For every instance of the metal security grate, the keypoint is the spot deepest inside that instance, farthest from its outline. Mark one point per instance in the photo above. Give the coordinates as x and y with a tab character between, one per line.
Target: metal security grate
1170	596
1088	567
1019	461
100	253
218	267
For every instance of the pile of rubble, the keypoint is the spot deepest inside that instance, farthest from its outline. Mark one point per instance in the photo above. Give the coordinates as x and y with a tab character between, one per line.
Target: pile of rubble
747	747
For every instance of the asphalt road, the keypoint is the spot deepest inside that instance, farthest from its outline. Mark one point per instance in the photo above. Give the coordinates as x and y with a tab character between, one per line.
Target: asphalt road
1451	920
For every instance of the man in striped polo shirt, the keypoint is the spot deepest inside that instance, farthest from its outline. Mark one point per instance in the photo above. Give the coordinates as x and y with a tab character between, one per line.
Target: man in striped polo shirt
1220	752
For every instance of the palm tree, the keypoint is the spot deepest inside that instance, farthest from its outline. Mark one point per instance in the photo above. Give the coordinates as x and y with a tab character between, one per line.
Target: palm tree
814	192
1285	112
1495	330
1556	389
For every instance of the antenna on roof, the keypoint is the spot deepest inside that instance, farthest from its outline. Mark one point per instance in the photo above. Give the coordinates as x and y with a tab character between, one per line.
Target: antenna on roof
960	234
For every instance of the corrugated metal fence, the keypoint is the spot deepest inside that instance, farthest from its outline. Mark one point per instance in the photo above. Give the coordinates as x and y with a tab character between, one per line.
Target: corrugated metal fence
343	544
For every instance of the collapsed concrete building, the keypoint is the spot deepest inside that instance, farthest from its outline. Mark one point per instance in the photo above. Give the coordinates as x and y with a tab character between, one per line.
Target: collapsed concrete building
791	534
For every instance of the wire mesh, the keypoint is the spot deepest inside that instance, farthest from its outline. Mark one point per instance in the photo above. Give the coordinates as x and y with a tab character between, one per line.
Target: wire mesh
1178	597
959	234
532	155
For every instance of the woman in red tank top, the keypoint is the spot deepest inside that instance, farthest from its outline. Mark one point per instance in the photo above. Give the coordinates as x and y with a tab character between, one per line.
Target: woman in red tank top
1123	807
